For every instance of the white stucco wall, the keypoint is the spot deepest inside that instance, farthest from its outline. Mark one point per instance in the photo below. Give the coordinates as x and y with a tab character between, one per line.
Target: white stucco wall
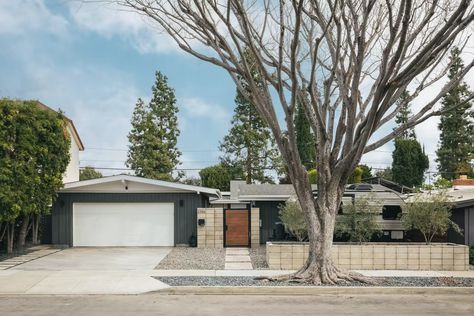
72	171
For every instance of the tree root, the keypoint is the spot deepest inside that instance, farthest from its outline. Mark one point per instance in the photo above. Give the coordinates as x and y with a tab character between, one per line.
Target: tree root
331	275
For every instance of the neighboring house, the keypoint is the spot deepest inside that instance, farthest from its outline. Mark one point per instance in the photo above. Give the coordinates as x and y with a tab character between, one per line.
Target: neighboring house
125	210
72	171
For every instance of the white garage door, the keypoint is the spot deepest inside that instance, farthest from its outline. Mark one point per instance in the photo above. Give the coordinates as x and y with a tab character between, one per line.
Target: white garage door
123	224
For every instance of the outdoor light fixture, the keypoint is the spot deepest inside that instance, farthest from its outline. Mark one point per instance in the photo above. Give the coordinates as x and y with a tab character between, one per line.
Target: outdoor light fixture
201	222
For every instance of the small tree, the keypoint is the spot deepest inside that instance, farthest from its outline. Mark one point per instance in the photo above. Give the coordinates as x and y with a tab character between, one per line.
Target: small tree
359	220
89	173
356	176
430	214
292	217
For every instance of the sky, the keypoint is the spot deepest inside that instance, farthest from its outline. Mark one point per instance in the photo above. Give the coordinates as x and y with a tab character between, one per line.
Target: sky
93	61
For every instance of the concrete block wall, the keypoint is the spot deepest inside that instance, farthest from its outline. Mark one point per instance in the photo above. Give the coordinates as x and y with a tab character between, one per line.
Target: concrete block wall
255	227
211	234
373	256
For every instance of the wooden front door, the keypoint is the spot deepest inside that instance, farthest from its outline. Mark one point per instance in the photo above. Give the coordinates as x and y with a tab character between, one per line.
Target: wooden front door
237	228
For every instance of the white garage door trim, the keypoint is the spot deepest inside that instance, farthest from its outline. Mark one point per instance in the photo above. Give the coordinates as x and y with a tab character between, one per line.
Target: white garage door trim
123	224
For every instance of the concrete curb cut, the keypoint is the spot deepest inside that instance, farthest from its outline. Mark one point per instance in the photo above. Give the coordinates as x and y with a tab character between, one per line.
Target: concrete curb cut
311	290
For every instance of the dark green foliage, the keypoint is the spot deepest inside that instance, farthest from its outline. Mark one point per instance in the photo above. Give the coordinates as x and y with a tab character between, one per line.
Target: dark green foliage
409	162
403	115
34	154
359	220
455	149
153	151
249	148
89	173
471	255
305	140
217	177
366	171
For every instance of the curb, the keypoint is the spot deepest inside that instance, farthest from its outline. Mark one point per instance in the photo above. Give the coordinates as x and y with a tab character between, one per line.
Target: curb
312	290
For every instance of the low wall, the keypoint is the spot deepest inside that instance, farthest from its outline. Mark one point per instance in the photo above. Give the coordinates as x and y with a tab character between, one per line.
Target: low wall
375	256
210	235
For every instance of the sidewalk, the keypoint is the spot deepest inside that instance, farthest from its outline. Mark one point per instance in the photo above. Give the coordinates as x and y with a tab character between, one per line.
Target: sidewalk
69	282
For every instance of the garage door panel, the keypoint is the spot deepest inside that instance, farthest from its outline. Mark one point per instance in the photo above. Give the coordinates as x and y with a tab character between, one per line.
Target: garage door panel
123	224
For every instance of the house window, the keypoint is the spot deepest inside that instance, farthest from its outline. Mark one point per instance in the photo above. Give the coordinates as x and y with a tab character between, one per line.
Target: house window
396	234
391	212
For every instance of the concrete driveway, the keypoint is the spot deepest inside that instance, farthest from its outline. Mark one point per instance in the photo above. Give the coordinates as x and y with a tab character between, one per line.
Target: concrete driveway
87	271
99	259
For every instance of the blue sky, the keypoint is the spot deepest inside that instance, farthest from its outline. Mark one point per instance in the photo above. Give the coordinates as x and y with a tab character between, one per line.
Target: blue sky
94	61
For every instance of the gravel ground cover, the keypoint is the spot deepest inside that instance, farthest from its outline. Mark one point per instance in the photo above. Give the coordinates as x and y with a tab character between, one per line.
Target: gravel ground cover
251	281
258	257
186	258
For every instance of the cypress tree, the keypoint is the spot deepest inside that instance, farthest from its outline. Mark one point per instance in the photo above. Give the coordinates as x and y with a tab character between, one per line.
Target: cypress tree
153	151
455	147
409	159
249	149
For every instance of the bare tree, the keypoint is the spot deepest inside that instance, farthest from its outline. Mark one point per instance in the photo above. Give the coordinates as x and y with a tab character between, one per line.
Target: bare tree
345	61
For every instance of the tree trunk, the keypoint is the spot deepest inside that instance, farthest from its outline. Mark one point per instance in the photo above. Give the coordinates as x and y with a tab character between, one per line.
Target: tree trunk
3	230
10	236
34	235
25	225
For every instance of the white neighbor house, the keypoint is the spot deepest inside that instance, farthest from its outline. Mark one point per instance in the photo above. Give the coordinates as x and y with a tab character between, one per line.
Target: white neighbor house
72	171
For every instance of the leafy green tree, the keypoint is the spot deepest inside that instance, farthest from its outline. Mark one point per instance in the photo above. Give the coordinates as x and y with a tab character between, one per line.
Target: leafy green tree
430	214
292	218
409	162
313	176
366	171
153	151
34	154
356	176
217	177
455	150
249	147
359	220
89	173
305	139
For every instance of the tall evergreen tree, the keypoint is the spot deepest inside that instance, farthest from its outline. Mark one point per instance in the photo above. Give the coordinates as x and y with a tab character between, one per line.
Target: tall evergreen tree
305	139
249	149
153	151
409	161
455	150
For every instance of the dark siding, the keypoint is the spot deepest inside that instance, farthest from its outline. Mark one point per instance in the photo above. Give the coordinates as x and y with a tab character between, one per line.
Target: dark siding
269	217
457	216
185	216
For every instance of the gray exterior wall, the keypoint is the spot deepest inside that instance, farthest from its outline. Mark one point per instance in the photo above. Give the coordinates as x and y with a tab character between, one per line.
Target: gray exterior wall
464	217
185	216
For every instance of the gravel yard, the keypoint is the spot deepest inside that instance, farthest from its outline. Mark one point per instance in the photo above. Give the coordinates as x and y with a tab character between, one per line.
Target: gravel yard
258	257
250	281
186	258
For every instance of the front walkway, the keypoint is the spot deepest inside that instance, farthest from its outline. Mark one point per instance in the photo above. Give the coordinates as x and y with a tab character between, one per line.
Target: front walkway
237	259
36	253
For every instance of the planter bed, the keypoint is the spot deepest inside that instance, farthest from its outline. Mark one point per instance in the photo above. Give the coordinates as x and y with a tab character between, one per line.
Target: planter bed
250	281
375	256
187	258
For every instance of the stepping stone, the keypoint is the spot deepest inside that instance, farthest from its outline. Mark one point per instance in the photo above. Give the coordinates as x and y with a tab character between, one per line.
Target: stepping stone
238	266
236	251
237	259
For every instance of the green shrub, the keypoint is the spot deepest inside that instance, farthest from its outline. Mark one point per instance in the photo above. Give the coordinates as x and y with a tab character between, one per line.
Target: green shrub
292	217
313	176
359	220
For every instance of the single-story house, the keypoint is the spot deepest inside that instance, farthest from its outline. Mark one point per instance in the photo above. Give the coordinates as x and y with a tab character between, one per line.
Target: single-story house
125	210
